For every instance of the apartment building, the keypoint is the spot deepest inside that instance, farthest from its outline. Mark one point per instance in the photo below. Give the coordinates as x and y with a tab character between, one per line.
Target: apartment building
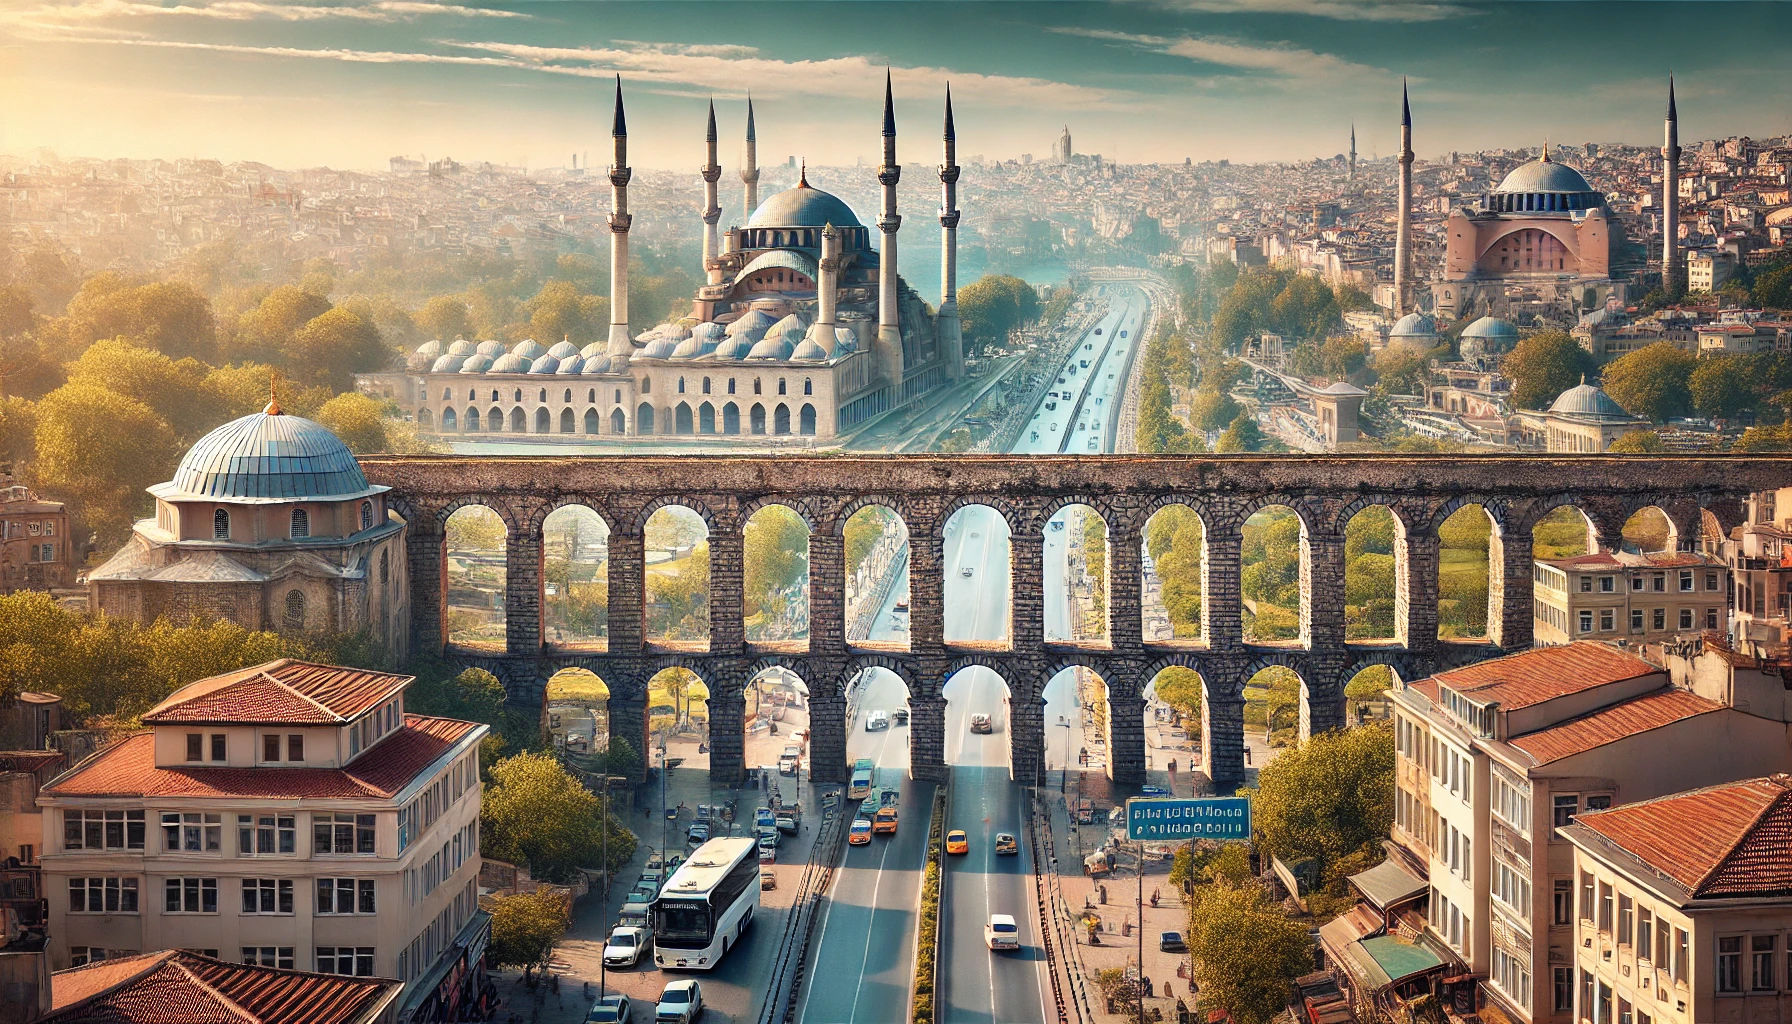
1677	925
1624	595
289	815
1493	758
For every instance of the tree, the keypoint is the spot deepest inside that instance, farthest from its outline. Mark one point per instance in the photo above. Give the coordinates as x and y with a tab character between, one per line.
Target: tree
1543	366
559	312
1722	386
1242	436
1400	371
175	390
1182	689
991	307
445	317
98	450
474	695
167	316
1213	409
1638	442
1328	797
332	347
1174	538
775	557
18	430
1653	382
527	925
1773	286
1246	952
535	813
265	331
357	419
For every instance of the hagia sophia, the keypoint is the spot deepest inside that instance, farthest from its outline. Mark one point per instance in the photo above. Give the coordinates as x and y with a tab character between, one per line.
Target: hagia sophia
801	328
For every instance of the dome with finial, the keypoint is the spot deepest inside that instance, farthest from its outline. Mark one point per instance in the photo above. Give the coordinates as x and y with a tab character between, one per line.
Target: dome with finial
1587	400
804	206
571	364
562	349
493	348
267	456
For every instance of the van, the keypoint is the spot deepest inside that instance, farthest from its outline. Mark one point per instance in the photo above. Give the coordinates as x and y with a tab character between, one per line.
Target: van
790	761
634	915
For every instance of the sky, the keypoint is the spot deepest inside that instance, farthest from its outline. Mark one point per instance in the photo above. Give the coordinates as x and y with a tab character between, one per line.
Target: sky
351	83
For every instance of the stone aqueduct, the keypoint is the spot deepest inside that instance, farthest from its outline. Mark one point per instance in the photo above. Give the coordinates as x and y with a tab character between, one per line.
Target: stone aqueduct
1326	491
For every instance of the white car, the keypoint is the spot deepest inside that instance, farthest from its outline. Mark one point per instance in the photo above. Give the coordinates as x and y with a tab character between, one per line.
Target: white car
877	720
626	946
1000	933
680	1002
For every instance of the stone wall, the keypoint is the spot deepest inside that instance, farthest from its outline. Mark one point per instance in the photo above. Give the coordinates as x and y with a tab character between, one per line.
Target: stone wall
1325	491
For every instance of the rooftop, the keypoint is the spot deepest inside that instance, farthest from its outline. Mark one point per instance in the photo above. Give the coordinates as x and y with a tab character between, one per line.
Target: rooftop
1609	724
284	691
128	769
1742	846
267	457
179	987
1544	673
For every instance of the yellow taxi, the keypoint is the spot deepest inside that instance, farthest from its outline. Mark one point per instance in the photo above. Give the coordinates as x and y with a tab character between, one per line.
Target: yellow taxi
884	823
957	843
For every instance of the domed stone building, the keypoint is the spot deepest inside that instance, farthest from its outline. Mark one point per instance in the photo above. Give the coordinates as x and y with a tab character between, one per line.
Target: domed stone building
1543	240
268	523
1483	342
1415	331
1582	419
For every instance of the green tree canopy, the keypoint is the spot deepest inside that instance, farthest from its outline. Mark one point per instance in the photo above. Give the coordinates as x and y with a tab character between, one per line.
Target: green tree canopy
168	316
1543	366
332	347
98	450
1328	797
775	556
1246	952
991	307
535	813
1182	689
446	318
527	925
360	421
1653	382
1242	436
1722	386
1638	442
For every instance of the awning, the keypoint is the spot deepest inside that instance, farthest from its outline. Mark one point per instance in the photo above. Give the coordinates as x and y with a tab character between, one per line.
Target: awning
1387	885
1400	960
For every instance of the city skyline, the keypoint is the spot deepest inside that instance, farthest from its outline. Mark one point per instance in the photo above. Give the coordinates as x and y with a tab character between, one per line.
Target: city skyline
353	84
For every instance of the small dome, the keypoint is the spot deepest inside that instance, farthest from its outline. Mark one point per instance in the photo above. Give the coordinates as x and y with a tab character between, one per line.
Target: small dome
1586	400
1544	175
1414	325
772	347
462	347
595	365
449	363
753	320
596	348
476	364
1492	328
736	347
710	332
695	347
430	349
571	364
788	329
845	341
562	349
661	347
544	363
510	362
808	352
803	207
267	457
528	349
490	348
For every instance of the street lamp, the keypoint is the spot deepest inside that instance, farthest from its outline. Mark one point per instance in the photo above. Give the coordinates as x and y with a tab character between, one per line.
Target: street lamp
1064	779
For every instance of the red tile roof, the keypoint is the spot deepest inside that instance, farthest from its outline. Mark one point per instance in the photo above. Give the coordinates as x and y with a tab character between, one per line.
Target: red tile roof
285	691
1612	723
1544	673
1741	845
128	768
178	987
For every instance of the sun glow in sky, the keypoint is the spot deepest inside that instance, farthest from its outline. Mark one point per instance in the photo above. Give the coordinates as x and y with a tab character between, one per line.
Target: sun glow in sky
350	83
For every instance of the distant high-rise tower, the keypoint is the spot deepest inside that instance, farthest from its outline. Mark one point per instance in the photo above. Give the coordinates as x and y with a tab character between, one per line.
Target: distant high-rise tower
620	346
1670	198
712	208
1061	150
1353	151
749	168
950	335
889	290
1403	216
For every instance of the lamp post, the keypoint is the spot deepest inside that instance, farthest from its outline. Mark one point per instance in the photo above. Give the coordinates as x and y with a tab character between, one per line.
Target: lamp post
1141	919
665	851
1064	779
604	823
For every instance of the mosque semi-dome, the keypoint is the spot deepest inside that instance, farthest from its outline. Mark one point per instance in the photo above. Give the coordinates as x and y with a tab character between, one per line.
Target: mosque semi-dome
804	206
266	457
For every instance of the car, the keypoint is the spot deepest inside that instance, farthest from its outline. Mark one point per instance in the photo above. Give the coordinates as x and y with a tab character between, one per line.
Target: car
1094	445
980	723
902	604
901	716
767	880
626	946
1171	942
764	818
1001	932
1006	845
697	835
965	572
877	720
1153	791
791	761
611	1009
956	843
1098	330
768	853
884	822
680	1002
643	894
860	834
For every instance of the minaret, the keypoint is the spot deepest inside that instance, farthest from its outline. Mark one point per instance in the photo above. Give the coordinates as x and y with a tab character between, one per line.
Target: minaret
950	334
621	347
1403	216
889	327
1671	279
827	294
712	210
749	168
1353	151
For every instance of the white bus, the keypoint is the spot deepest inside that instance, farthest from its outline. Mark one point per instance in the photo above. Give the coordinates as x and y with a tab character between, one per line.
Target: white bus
707	904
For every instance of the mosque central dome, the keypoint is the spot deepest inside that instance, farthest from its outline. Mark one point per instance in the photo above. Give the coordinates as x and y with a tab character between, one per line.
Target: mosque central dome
267	457
1544	176
804	206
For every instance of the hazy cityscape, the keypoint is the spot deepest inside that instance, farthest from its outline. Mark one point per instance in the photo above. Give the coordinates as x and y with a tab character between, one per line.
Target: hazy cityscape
1232	511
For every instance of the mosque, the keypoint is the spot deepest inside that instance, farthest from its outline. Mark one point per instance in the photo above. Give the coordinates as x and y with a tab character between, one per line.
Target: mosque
801	328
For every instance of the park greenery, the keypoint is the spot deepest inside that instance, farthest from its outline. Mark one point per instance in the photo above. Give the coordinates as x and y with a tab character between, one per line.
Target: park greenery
1173	541
535	813
992	308
527	925
1246	952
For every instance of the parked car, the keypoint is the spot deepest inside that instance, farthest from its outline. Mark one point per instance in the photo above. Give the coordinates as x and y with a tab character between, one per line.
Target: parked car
768	852
697	835
791	761
1001	932
611	1009
790	819
1171	942
680	1002
1006	845
626	946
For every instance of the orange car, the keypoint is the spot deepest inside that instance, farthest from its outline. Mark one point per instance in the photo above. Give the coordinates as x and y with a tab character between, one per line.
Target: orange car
884	822
956	842
860	833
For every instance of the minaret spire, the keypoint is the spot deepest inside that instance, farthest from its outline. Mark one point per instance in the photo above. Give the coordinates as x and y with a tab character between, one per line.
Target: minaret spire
1671	280
950	331
711	172
749	168
1353	151
620	346
1403	215
889	327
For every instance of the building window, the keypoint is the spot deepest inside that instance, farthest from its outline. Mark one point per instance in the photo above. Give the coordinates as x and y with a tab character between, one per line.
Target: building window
218	747
1563	978
681	385
195	746
1607	620
367	515
1681	943
758	386
267	895
1711	618
102	895
220	525
781	387
1605	908
269	956
1729	963
1586	584
102	830
1660	618
1586	896
270	747
295	743
192	896
647	385
1645	934
1626	916
1659	582
192	832
301	523
342	833
1607	584
266	833
295	611
1563	892
1686	618
1686	579
352	960
1764	950
1636	620
706	387
1565	806
808	386
81	956
345	896
1636	583
1586	620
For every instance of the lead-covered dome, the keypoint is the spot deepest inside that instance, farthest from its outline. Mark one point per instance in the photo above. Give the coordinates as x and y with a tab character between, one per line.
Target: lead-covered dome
804	206
1544	175
1414	325
1492	328
267	457
1587	400
509	363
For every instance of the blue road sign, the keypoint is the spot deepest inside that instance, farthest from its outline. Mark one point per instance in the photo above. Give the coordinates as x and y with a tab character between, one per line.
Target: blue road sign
1154	819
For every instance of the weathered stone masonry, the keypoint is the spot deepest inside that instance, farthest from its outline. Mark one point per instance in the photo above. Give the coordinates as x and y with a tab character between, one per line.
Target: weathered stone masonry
1326	491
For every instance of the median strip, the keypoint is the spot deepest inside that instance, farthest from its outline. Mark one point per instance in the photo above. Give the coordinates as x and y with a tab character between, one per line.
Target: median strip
927	927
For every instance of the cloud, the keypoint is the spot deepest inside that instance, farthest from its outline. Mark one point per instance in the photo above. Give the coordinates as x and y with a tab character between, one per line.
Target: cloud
252	10
1338	10
1284	61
